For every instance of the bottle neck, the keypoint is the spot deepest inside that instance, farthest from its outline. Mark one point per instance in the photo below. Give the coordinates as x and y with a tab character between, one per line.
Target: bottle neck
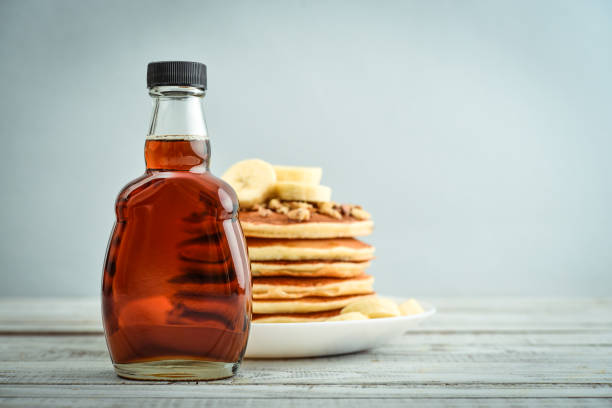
177	139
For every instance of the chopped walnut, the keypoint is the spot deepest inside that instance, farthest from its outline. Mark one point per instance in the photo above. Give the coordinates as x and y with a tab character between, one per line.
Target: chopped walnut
264	212
345	209
274	204
360	213
323	205
327	208
298	204
283	209
301	210
299	214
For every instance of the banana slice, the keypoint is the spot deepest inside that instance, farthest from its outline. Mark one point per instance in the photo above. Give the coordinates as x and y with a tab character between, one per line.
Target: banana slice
348	316
306	175
373	308
410	307
252	179
290	191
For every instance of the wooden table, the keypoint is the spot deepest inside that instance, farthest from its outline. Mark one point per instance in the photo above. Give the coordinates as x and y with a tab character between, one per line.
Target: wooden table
474	352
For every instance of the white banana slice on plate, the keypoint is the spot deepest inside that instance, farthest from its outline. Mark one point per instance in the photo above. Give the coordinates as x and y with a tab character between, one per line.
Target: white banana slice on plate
348	316
410	307
306	175
290	191
252	180
373	308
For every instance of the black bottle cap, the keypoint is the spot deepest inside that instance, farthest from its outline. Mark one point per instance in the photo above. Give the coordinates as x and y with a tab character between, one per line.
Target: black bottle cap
181	73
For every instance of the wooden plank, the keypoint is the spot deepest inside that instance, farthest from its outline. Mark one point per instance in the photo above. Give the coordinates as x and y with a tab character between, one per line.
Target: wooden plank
245	391
451	347
62	315
337	370
110	401
82	315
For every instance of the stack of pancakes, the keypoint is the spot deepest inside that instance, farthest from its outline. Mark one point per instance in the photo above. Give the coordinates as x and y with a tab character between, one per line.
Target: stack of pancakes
306	268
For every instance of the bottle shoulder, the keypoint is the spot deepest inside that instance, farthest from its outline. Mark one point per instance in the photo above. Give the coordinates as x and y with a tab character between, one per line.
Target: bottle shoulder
180	186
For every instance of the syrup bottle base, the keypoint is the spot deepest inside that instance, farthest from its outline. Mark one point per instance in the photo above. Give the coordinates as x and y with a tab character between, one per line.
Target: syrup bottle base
177	370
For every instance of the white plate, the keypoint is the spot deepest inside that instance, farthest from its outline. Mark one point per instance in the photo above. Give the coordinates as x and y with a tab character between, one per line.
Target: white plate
290	340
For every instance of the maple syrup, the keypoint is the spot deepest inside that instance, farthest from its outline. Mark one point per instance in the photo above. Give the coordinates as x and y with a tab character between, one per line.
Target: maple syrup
176	290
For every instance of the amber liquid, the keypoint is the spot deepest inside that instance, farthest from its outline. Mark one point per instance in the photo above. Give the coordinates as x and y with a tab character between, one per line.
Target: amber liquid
176	282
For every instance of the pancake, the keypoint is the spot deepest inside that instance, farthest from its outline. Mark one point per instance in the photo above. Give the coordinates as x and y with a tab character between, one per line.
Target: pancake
294	288
295	317
304	305
339	249
275	225
309	269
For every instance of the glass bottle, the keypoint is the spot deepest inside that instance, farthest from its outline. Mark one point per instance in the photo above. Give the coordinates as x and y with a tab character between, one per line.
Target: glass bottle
176	289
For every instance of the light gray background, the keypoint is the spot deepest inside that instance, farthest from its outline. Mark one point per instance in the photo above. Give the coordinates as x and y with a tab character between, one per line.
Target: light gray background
477	133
